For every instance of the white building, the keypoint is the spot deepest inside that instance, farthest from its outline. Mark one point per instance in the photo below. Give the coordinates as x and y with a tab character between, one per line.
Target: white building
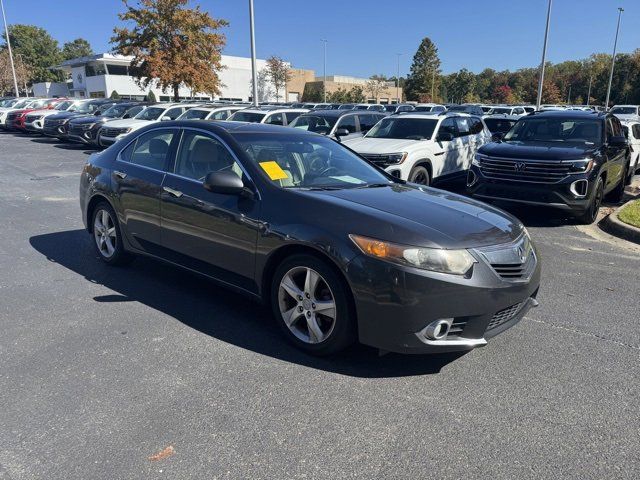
100	75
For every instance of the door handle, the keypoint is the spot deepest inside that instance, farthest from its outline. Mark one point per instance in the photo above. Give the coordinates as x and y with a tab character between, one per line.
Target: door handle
119	174
171	191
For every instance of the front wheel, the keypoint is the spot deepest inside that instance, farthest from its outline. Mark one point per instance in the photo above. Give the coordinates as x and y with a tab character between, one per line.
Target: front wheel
420	175
311	304
591	213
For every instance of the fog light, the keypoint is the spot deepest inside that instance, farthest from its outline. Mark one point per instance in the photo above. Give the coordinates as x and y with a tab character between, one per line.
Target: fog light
471	178
438	330
579	188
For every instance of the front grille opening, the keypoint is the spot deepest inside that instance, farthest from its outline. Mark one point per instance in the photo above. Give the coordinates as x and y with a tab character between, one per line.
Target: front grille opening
457	327
503	316
524	171
509	270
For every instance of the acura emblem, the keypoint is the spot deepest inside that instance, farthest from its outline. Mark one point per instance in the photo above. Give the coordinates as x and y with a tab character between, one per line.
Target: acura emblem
520	166
521	254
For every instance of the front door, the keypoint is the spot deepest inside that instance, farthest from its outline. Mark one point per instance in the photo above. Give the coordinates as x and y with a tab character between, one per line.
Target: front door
450	150
616	156
137	181
209	232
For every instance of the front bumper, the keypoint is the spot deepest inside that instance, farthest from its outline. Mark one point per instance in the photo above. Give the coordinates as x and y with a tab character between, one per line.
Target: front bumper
395	304
556	195
108	141
59	131
35	126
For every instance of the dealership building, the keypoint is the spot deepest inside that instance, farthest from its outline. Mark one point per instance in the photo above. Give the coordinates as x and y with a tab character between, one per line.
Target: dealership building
98	76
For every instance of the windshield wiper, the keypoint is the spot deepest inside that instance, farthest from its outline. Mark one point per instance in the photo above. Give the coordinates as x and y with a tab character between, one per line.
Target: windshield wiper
373	185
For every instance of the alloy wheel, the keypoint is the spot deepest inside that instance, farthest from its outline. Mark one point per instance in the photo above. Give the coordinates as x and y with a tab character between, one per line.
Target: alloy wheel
104	233
307	305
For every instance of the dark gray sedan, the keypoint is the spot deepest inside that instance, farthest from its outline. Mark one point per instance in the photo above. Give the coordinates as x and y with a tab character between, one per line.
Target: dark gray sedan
339	249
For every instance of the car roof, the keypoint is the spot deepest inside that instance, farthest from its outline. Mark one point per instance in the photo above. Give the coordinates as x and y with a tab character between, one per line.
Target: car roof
567	114
338	113
502	116
274	110
216	126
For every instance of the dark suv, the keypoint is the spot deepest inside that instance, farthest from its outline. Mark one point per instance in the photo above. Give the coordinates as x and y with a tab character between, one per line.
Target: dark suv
562	159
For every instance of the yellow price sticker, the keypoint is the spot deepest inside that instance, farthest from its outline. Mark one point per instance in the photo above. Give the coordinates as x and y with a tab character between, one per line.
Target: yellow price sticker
273	170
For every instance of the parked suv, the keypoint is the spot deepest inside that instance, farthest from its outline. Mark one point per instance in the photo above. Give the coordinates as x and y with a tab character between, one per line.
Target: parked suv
271	116
423	148
57	125
564	159
85	129
632	132
338	124
211	112
399	108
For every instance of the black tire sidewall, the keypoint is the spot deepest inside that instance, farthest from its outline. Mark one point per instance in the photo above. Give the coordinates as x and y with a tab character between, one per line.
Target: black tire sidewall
414	171
120	256
343	333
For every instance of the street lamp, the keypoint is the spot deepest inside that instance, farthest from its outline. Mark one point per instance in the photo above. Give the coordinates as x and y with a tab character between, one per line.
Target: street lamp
324	71
398	80
13	68
544	57
613	59
254	73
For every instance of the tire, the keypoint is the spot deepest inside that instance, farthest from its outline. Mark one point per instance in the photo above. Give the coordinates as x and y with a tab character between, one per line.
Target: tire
305	314
107	236
591	214
420	175
617	193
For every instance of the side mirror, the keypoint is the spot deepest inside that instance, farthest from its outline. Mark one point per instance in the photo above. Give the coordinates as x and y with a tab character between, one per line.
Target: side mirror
445	137
165	119
342	132
497	137
227	183
618	142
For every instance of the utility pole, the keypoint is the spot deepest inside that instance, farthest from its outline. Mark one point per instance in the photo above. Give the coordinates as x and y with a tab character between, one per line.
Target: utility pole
544	57
398	80
13	68
324	71
433	83
613	59
254	73
589	92
569	96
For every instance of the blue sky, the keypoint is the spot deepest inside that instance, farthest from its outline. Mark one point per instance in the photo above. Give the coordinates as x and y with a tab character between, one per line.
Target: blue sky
364	36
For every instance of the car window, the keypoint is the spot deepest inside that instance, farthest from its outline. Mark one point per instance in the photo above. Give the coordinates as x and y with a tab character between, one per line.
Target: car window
475	126
609	129
555	129
200	154
291	116
617	127
220	115
636	131
367	122
348	122
448	125
463	125
275	119
173	113
151	149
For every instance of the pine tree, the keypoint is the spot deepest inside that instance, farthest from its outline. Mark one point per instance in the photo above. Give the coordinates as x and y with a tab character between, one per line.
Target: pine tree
425	71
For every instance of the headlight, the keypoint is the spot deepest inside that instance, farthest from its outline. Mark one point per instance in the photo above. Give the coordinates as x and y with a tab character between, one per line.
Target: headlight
581	166
456	262
396	158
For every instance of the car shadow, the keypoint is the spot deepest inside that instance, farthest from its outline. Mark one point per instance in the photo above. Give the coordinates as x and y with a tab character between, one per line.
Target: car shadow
46	140
204	306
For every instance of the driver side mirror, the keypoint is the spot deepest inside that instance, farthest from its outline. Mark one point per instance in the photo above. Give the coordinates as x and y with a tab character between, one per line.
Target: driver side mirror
497	137
227	183
342	132
445	137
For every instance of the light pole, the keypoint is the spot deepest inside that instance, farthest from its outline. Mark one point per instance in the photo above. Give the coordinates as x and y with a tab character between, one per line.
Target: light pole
254	73
398	80
13	68
569	96
544	57
613	59
433	83
324	70
589	92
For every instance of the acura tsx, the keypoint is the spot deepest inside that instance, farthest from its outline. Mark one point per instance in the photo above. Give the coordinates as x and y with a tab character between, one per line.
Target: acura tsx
339	249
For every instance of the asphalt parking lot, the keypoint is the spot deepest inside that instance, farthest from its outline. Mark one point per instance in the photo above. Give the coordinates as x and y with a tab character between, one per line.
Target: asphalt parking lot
102	368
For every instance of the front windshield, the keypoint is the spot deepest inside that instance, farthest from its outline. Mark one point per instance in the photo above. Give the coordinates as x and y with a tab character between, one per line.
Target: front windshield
561	130
403	128
86	107
499	125
194	114
625	110
347	106
22	103
422	108
309	162
314	123
62	106
116	111
150	113
252	117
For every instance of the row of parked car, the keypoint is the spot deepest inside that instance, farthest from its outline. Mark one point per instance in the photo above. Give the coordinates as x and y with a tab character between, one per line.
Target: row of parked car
504	153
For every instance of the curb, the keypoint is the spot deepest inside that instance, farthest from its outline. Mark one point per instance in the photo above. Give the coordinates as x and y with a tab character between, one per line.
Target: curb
617	227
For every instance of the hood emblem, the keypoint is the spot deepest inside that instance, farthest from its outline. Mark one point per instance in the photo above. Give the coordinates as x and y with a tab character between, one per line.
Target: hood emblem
521	254
520	166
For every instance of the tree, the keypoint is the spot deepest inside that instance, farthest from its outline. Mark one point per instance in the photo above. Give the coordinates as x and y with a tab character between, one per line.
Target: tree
76	48
425	70
356	95
172	45
37	49
551	92
503	94
338	96
264	89
23	73
313	92
375	86
115	95
151	97
278	73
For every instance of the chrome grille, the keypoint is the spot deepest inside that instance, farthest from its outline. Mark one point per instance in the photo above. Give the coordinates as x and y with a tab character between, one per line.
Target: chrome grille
513	271
111	132
79	128
49	123
533	171
381	160
504	316
33	118
11	117
512	262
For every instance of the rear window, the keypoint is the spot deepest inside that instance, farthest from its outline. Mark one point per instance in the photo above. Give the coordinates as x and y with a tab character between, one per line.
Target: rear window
624	110
498	125
252	117
194	114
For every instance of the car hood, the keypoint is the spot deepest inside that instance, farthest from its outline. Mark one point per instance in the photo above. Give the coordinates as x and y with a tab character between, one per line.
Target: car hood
537	150
128	122
64	115
89	119
383	145
421	216
45	111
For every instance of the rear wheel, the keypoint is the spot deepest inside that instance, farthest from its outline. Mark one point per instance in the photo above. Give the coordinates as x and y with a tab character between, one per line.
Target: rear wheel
591	214
420	175
311	305
107	235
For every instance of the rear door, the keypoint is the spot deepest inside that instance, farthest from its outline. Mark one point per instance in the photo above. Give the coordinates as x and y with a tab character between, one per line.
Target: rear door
137	182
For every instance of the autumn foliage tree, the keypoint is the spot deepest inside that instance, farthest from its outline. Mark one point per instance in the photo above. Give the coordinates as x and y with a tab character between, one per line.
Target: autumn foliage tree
172	45
277	71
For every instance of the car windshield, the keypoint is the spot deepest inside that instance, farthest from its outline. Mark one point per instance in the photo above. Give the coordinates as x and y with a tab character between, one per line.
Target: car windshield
499	125
308	162
625	110
403	128
22	103
499	110
86	107
314	123
422	108
62	106
252	117
347	106
562	130
150	113
116	111
194	114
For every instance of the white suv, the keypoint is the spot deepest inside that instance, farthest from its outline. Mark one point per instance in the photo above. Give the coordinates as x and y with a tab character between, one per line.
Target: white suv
625	112
632	131
114	131
272	116
423	148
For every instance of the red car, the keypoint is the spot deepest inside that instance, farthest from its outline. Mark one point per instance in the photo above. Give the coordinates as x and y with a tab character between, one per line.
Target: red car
16	118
